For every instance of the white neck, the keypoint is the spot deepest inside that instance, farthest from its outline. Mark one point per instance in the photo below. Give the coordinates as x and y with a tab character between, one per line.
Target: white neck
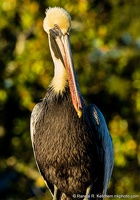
59	81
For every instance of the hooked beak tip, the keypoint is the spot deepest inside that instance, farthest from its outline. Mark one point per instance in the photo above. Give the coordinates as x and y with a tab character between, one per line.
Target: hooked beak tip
79	112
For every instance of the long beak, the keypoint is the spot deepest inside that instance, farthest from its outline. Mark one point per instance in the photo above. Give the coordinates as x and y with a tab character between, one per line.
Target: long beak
62	45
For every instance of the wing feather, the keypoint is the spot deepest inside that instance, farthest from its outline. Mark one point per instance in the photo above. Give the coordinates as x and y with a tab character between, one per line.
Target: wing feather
104	144
34	118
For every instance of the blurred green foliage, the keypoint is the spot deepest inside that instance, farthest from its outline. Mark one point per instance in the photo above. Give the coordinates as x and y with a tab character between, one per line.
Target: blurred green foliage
105	40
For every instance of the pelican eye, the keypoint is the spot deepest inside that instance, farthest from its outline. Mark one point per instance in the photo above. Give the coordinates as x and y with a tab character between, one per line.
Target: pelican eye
56	26
57	30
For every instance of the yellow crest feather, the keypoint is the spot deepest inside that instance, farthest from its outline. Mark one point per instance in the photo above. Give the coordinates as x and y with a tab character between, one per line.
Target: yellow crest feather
57	16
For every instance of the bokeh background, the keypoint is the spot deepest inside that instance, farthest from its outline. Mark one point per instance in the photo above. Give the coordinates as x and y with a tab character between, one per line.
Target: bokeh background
105	40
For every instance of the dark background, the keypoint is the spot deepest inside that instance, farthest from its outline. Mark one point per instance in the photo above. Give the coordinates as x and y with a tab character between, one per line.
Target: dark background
105	40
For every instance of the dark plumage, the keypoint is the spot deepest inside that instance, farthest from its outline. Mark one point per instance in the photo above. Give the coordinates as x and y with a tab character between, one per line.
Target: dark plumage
71	152
74	154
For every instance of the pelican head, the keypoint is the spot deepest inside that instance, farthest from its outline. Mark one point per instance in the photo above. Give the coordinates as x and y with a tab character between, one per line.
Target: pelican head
57	16
57	24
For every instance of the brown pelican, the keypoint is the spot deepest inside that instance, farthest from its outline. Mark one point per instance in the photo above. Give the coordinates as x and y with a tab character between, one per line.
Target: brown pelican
71	142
